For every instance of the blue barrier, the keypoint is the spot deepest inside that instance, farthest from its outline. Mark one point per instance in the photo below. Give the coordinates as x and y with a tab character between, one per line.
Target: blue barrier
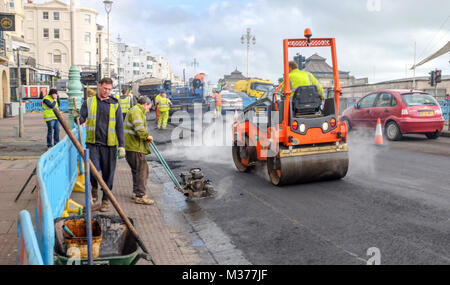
35	105
27	248
445	106
57	173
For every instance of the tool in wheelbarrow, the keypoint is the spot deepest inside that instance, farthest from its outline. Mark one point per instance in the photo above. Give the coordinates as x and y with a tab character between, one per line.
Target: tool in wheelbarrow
194	186
102	183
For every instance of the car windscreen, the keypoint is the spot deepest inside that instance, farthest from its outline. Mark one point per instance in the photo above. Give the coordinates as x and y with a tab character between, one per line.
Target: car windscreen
261	86
230	96
418	99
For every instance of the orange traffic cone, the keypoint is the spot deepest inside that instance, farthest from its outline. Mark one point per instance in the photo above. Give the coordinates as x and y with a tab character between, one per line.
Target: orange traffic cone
379	133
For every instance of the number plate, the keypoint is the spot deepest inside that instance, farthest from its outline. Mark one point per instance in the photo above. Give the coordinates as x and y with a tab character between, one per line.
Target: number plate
426	113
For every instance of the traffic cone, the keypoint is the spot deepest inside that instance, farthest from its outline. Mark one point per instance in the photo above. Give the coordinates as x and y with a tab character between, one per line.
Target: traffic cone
379	133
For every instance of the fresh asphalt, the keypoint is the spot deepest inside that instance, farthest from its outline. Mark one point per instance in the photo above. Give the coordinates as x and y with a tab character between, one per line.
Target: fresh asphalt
395	200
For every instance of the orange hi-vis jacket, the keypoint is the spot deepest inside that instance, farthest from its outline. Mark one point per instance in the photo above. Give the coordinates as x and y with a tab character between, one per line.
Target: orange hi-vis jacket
218	98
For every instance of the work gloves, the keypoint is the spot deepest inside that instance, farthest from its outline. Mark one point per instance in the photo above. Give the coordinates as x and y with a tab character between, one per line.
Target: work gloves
121	153
149	139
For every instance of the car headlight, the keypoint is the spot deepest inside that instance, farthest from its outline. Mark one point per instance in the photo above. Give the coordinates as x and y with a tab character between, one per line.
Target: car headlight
325	126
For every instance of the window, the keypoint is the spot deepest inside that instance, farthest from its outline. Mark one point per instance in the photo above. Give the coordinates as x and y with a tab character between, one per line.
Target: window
367	102
46	33
57	58
87	58
87	19
11	4
418	99
385	100
45	16
56	33
87	37
136	72
56	16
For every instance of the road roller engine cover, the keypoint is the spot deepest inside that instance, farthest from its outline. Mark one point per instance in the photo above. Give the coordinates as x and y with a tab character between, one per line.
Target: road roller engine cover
297	135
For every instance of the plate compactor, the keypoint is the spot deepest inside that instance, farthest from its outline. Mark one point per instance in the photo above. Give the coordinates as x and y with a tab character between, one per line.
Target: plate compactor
298	136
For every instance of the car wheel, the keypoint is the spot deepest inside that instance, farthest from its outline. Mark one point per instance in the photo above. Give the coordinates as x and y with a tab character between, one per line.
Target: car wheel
347	121
393	131
433	136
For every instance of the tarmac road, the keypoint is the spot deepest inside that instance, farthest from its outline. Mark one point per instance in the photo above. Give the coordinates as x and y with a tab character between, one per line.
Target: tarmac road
395	198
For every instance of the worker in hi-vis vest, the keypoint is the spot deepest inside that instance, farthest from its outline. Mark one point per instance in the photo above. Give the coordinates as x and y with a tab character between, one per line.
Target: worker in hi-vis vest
299	78
125	102
104	133
137	140
157	107
51	101
163	105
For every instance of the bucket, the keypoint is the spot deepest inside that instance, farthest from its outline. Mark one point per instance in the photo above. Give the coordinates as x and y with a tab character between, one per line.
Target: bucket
77	246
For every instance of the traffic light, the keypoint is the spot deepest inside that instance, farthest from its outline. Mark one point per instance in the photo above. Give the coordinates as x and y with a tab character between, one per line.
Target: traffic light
432	78
437	76
300	60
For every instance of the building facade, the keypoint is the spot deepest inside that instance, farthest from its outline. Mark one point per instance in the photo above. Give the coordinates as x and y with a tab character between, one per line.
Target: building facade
53	32
228	81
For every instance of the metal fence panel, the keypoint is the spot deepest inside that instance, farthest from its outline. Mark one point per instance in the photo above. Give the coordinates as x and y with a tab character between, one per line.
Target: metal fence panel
27	249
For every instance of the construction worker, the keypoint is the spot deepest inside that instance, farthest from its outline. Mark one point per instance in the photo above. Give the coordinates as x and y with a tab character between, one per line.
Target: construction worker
163	104
157	107
218	98
125	102
299	78
49	102
104	132
137	139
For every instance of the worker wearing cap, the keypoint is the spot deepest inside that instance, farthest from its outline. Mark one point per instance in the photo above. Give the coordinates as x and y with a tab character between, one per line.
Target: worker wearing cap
125	102
104	133
299	78
163	104
51	101
136	145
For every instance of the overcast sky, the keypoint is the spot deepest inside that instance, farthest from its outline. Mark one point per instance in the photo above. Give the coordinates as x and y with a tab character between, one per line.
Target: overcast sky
375	38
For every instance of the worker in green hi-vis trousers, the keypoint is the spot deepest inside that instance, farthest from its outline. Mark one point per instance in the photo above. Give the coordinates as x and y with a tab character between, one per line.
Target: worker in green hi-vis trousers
163	104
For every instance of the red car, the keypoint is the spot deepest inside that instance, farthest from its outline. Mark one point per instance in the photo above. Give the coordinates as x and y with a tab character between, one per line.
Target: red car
401	112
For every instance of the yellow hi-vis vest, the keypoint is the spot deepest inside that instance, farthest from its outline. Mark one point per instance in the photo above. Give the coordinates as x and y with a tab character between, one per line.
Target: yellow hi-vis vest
163	104
49	115
125	104
92	122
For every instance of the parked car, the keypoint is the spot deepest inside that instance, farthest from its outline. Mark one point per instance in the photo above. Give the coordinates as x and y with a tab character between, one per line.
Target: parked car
400	111
231	101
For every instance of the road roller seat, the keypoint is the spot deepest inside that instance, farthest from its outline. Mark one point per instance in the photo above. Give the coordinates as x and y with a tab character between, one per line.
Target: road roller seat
306	100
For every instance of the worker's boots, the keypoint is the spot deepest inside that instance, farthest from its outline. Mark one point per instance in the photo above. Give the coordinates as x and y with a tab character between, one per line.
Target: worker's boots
94	193
105	206
144	201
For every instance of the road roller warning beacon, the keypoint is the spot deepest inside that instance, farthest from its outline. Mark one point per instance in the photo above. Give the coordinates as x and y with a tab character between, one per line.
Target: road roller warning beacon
296	133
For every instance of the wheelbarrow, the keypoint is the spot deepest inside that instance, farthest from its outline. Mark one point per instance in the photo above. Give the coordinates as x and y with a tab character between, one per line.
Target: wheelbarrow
118	245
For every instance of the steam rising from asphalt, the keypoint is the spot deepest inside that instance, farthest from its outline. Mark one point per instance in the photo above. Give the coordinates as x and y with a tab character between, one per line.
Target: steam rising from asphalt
362	152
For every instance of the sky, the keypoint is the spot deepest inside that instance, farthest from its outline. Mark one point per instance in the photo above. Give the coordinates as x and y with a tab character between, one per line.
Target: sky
375	38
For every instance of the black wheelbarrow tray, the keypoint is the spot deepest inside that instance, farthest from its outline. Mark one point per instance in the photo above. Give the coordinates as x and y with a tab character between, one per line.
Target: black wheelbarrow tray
118	246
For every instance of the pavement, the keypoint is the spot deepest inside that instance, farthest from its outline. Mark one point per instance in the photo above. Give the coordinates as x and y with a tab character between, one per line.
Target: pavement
168	243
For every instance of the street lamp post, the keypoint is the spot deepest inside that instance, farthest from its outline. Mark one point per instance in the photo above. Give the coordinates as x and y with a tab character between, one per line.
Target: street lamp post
108	7
249	37
19	92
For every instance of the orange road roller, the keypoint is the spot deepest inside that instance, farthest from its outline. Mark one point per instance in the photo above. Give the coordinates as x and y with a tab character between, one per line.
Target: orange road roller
296	133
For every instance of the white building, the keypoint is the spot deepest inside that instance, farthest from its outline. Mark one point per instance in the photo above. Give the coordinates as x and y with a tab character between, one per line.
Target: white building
57	40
